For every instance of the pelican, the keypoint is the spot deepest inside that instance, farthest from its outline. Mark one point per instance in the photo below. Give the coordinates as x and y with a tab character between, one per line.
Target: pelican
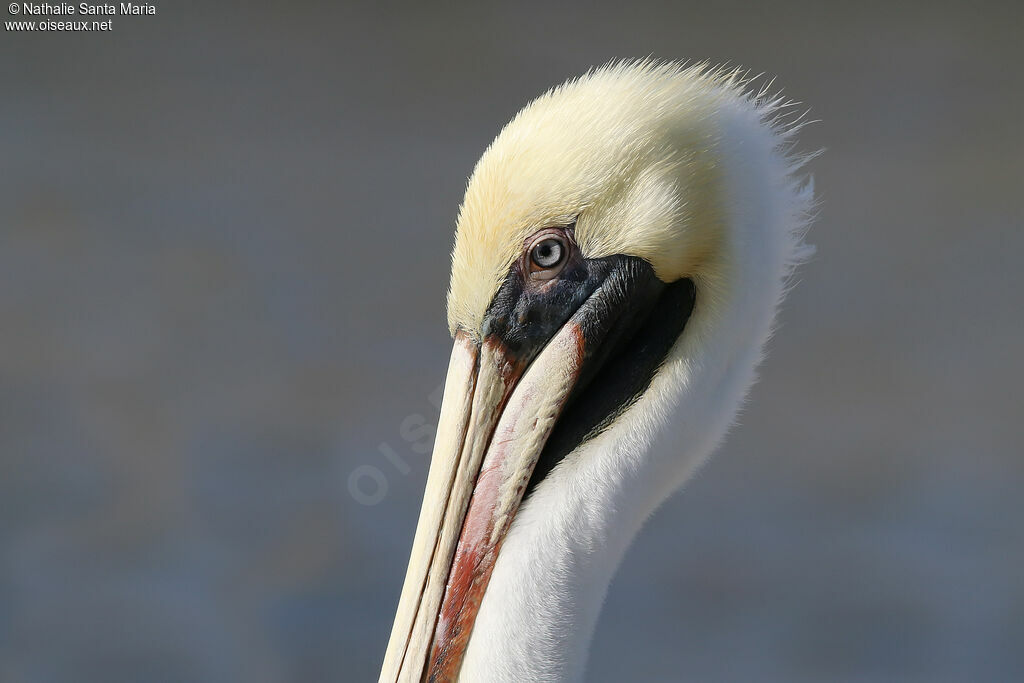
619	256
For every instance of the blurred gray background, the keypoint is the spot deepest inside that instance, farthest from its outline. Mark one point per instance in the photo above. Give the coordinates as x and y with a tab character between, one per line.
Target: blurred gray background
224	238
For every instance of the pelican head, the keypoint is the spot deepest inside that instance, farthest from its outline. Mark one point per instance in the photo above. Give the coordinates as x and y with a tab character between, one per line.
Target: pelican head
619	256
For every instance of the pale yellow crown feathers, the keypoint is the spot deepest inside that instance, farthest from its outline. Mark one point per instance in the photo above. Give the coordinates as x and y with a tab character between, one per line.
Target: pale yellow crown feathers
628	151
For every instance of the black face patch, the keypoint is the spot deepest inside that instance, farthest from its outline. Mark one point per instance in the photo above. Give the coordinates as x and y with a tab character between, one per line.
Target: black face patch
625	374
525	313
630	326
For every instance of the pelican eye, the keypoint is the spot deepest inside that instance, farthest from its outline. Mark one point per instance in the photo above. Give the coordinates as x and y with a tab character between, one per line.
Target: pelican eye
548	254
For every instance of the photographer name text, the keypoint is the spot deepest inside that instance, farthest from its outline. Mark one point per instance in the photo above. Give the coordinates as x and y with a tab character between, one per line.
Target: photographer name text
85	8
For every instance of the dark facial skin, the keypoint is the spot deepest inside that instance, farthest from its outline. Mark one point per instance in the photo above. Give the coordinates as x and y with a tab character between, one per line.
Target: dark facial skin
627	334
